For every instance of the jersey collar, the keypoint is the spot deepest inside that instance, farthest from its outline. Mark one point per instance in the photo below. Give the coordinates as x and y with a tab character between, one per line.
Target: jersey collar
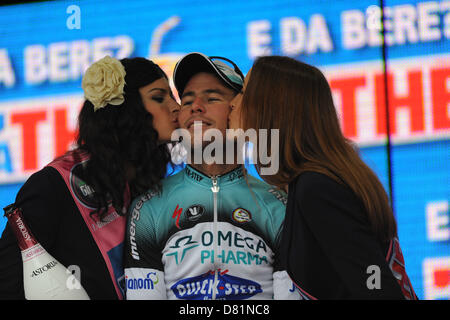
197	177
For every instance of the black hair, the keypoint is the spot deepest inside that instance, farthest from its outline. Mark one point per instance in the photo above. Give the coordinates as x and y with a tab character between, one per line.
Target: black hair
122	142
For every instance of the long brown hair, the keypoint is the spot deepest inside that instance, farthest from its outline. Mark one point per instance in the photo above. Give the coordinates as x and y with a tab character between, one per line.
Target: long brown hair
294	97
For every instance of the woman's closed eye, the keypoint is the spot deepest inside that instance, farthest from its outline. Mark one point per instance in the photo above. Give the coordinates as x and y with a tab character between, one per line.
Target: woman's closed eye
158	99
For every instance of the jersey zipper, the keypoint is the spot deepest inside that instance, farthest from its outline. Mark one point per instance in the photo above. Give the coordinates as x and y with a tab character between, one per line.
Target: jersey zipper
215	189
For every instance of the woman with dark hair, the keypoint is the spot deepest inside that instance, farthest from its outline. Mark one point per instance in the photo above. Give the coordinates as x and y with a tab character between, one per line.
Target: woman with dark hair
75	206
340	236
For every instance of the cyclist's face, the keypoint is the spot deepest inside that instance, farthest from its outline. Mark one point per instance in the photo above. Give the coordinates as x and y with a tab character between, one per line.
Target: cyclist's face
207	100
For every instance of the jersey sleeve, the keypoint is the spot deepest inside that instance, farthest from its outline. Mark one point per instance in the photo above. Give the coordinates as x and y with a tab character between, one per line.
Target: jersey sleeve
144	271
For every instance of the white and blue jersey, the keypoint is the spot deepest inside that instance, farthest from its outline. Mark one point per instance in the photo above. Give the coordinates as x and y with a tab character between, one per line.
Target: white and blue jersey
206	238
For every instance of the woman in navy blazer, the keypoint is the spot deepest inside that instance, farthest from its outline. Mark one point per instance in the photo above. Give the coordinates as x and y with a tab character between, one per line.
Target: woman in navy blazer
340	236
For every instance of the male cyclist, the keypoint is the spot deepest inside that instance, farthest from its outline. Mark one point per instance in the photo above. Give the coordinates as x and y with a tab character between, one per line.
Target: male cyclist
214	231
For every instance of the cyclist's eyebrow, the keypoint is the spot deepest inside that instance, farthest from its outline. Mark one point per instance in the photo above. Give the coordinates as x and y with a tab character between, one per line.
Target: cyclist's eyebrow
187	94
207	91
218	91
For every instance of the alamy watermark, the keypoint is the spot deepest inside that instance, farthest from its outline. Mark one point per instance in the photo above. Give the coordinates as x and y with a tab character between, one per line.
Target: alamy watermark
374	280
74	279
74	19
212	147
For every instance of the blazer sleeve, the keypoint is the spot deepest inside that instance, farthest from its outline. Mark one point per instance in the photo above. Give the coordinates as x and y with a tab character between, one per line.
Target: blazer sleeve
38	199
339	222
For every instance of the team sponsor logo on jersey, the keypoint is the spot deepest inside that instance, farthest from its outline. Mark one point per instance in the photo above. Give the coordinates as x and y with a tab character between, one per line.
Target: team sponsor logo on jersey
227	287
234	247
181	247
135	216
147	283
194	212
241	215
176	215
236	175
232	256
193	175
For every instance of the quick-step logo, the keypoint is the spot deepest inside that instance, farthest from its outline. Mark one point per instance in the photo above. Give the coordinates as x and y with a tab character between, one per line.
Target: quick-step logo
228	287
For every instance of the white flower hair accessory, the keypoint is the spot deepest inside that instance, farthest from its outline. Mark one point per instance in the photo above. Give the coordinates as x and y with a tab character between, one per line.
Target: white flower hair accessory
103	83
